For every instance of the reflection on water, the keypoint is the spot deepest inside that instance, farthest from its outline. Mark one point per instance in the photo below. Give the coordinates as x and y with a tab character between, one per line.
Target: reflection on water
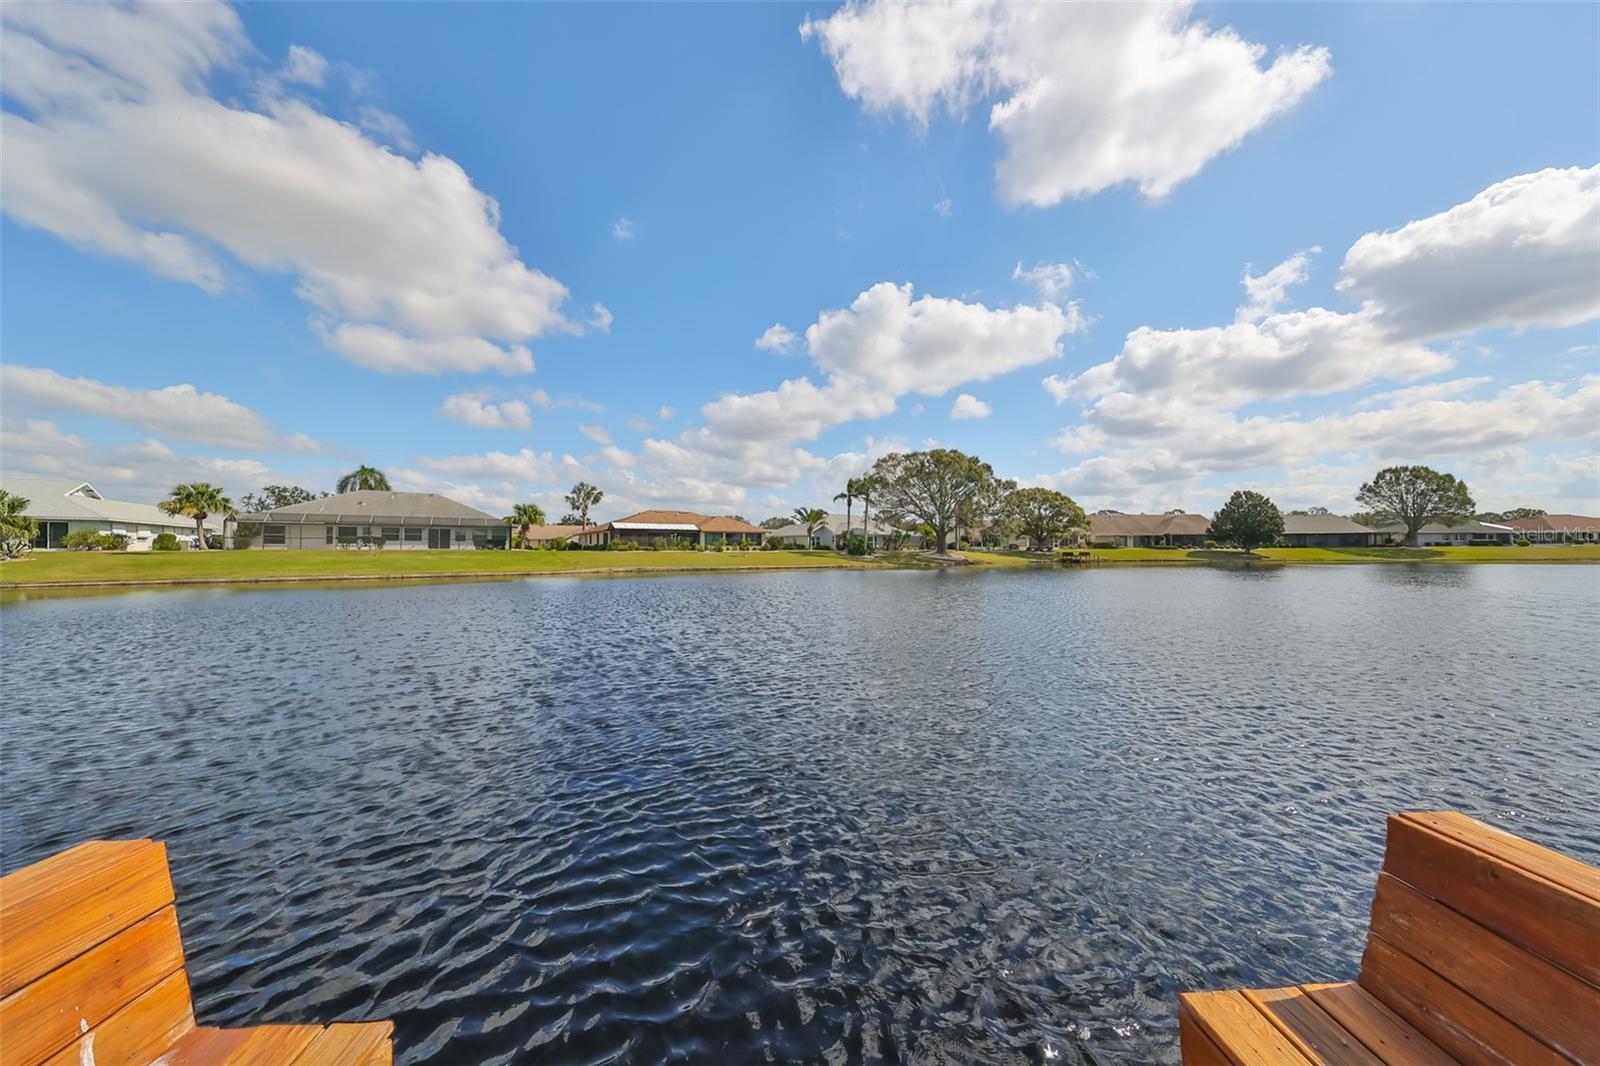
957	817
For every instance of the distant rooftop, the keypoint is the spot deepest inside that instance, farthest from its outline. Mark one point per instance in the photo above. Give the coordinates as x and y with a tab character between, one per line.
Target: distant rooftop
379	507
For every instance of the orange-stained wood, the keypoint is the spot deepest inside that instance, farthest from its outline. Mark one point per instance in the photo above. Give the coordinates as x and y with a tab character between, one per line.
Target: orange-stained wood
1549	919
1239	1030
1309	1028
273	1045
1551	865
205	1046
138	1033
55	910
1197	1048
1463	1027
1383	1032
43	1017
363	1044
1542	999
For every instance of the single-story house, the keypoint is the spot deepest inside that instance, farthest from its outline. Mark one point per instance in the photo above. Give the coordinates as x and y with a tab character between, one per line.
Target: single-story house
61	506
1327	531
832	531
676	527
1437	534
405	520
1557	528
1149	530
545	536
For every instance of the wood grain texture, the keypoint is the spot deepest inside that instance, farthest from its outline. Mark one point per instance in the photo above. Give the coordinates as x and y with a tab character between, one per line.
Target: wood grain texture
351	1044
1240	1031
1194	1045
1551	865
1540	998
1548	919
1466	1029
46	1015
1383	1032
1309	1028
57	909
138	1033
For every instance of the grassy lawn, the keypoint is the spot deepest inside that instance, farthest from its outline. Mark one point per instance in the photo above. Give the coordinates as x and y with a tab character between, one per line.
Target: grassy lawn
155	567
42	567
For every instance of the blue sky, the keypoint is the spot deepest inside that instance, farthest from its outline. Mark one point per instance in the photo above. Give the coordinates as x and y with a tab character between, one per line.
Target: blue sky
494	249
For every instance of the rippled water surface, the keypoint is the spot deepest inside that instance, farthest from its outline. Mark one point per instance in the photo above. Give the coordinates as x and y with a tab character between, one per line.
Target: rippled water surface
843	817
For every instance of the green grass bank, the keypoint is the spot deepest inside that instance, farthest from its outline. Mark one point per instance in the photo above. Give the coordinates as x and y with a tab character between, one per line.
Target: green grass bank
57	569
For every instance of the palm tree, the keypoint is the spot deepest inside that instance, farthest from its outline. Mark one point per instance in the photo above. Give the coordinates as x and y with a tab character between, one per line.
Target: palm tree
865	484
852	489
17	530
523	517
582	497
364	477
812	518
199	501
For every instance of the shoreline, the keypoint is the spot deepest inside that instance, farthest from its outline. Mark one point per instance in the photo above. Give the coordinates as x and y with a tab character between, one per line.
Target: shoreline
976	560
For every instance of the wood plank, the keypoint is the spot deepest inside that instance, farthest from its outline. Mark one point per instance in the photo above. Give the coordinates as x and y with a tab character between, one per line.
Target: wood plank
1549	919
55	910
1383	1032
45	1016
205	1046
1194	1045
1240	1031
351	1044
1551	865
1463	1027
1309	1028
272	1045
139	1032
1544	1000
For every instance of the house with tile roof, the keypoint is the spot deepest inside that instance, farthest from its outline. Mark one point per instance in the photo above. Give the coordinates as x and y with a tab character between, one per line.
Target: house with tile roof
682	528
1115	530
1558	528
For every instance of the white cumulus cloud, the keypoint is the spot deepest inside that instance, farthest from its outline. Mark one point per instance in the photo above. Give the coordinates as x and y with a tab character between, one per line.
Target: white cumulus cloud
114	143
777	338
969	406
1523	252
480	409
182	411
1085	96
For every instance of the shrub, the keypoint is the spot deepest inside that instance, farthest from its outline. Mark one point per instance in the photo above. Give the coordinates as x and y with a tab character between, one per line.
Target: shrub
1522	542
165	542
214	540
855	544
88	540
1210	543
245	534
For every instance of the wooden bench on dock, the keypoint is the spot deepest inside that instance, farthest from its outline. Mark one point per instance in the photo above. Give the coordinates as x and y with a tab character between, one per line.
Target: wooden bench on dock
92	974
1483	948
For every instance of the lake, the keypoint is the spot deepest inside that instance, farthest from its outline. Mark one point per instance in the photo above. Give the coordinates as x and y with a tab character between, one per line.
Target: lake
855	817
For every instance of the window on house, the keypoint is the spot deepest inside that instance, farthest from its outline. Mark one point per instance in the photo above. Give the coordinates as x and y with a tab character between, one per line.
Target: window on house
391	532
273	535
414	533
347	531
327	534
461	536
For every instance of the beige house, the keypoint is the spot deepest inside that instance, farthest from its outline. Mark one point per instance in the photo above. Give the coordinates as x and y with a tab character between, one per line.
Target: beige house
683	528
1149	530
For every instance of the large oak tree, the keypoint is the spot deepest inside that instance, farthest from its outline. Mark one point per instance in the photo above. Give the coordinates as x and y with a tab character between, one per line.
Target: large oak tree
930	488
1414	496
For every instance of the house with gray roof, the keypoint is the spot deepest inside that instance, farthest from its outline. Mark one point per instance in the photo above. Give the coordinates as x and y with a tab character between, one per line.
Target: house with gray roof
1326	531
68	505
880	536
377	518
1440	534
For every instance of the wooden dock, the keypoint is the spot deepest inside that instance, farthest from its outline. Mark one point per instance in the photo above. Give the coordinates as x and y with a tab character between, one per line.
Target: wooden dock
1483	948
92	974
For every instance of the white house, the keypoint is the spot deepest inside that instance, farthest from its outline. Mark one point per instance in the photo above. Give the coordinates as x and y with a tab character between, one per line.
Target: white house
1437	534
832	531
63	506
376	518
